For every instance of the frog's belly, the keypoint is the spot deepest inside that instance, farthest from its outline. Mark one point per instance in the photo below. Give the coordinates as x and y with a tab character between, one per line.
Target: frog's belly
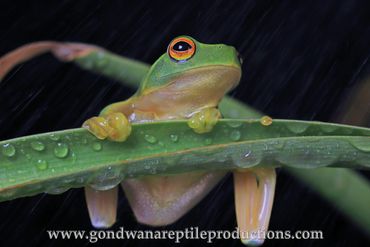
162	200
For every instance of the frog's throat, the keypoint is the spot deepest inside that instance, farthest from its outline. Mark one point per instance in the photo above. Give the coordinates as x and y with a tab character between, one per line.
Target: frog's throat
227	76
189	92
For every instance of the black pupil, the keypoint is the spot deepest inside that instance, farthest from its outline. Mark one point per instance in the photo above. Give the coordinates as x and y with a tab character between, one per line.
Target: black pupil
181	46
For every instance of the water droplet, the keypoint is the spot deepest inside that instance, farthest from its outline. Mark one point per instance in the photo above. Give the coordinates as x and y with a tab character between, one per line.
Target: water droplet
174	137
150	139
105	185
161	144
361	144
96	146
56	191
208	141
235	135
42	164
61	150
266	120
107	179
297	128
234	124
80	180
54	137
68	137
74	157
279	144
247	159
153	170
328	128
68	180
8	150
37	146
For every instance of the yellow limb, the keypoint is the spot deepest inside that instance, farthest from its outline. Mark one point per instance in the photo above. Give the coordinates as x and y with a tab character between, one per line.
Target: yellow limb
204	120
114	126
254	195
102	206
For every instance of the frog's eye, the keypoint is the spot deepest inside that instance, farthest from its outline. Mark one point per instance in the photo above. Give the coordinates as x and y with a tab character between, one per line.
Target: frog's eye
181	49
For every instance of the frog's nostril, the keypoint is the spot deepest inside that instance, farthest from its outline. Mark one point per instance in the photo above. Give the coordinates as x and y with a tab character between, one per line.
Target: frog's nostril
240	58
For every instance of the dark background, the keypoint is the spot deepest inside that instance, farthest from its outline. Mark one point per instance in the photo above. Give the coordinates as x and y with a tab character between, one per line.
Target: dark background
302	59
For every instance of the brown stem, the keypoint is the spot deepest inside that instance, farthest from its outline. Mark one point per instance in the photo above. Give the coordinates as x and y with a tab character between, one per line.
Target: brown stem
65	52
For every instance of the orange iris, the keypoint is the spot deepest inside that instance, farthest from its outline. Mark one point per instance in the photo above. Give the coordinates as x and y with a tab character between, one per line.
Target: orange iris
181	49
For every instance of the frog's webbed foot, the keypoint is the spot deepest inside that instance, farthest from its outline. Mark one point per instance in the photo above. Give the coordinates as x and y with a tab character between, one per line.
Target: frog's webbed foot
254	195
204	120
114	126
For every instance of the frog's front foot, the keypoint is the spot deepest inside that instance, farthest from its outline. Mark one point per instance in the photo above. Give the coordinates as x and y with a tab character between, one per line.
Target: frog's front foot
204	120
114	126
254	195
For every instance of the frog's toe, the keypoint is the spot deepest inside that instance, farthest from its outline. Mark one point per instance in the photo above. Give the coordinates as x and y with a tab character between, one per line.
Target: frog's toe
205	120
254	194
102	206
114	126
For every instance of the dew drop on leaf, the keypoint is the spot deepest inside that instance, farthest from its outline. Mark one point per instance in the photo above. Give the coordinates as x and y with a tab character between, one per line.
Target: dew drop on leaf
328	128
235	135
54	137
42	164
297	128
8	150
37	146
361	145
56	191
233	124
174	137
266	120
96	146
150	139
61	150
208	141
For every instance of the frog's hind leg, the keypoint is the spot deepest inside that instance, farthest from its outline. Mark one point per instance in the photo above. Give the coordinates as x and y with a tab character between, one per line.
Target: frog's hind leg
254	195
102	206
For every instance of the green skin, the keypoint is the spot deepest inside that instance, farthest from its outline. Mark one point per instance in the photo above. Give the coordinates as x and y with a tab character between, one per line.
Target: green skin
191	90
179	89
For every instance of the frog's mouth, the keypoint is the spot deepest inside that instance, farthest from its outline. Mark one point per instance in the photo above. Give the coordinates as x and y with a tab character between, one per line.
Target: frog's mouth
191	90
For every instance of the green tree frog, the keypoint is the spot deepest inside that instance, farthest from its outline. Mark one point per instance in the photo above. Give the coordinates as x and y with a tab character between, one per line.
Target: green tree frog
187	82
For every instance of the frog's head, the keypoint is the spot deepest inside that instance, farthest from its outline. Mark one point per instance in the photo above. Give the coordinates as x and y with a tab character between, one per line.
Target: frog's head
194	69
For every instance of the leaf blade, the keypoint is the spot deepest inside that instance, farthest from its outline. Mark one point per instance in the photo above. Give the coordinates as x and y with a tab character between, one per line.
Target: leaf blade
89	160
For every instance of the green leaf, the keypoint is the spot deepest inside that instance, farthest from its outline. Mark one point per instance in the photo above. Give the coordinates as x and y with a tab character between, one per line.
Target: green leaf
54	162
347	190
